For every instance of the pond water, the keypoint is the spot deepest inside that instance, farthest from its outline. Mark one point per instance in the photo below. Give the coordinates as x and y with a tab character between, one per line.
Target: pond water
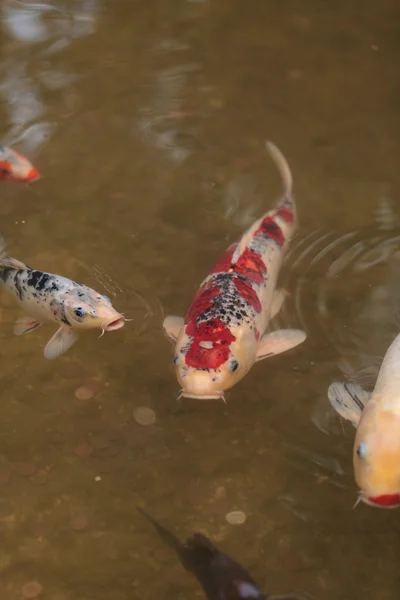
147	120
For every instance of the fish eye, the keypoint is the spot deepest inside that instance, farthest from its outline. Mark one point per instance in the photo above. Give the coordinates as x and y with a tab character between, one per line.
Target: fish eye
176	358
234	365
362	450
79	311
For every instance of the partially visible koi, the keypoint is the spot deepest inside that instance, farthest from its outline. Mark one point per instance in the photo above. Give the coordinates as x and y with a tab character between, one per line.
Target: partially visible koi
221	577
224	332
16	167
48	298
376	416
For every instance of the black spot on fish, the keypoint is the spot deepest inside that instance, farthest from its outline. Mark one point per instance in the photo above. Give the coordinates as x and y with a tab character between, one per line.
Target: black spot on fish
38	280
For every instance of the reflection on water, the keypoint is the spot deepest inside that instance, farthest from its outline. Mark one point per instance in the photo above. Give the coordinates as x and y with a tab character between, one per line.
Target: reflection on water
147	121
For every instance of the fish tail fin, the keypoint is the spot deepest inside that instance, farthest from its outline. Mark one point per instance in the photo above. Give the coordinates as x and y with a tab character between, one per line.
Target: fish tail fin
169	538
3	249
7	262
197	550
287	199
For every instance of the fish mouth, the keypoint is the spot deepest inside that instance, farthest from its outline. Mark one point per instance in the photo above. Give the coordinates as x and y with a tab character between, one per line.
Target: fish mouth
383	501
33	175
114	324
215	396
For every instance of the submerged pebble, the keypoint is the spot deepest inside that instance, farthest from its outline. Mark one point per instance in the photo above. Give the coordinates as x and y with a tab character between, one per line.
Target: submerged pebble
31	589
25	469
144	415
4	477
79	521
236	517
83	450
84	393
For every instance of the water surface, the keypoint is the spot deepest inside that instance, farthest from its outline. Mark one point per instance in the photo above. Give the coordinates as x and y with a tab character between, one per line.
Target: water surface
147	120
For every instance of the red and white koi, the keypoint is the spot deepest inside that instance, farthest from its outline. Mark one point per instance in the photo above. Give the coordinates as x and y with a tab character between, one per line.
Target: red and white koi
223	333
376	416
50	298
16	167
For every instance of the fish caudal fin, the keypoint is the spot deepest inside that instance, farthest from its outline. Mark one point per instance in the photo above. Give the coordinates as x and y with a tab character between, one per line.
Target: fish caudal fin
25	325
279	341
349	400
61	341
172	327
283	168
6	262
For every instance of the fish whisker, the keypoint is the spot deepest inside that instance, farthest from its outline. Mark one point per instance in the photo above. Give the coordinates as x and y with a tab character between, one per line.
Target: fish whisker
360	496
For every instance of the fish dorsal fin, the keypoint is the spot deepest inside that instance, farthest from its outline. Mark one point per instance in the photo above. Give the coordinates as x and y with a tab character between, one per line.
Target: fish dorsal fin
7	262
349	400
246	239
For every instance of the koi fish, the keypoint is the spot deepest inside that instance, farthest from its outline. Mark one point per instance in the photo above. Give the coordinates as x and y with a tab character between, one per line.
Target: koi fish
223	334
15	167
47	298
376	416
221	577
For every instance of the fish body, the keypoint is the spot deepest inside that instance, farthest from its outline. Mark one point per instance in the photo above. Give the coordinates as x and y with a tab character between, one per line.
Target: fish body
221	577
376	416
223	333
16	167
47	298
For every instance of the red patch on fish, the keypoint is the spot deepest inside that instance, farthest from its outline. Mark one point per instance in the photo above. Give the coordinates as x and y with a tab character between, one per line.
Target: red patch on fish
203	300
386	500
285	214
217	335
248	293
271	229
224	262
7	173
251	266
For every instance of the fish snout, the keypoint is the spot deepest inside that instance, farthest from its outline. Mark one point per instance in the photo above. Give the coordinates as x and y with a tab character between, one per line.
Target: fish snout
199	384
116	323
32	175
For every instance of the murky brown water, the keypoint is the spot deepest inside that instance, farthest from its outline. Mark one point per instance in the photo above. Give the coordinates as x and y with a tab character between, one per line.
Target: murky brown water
147	120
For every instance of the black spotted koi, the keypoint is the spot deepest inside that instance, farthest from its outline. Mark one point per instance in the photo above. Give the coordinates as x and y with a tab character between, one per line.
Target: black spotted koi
50	298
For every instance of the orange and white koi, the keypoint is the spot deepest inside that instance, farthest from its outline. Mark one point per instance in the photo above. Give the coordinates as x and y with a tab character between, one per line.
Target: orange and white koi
16	167
376	415
223	334
50	298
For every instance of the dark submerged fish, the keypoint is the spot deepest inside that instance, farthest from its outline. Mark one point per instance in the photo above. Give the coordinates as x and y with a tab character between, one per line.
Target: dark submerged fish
221	577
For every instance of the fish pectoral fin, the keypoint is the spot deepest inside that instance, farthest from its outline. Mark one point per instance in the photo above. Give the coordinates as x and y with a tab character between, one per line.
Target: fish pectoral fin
277	301
172	327
7	262
62	340
25	325
278	342
349	400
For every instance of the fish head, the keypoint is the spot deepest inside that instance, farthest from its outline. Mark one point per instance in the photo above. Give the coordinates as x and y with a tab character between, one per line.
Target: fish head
87	309
16	167
376	457
211	358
